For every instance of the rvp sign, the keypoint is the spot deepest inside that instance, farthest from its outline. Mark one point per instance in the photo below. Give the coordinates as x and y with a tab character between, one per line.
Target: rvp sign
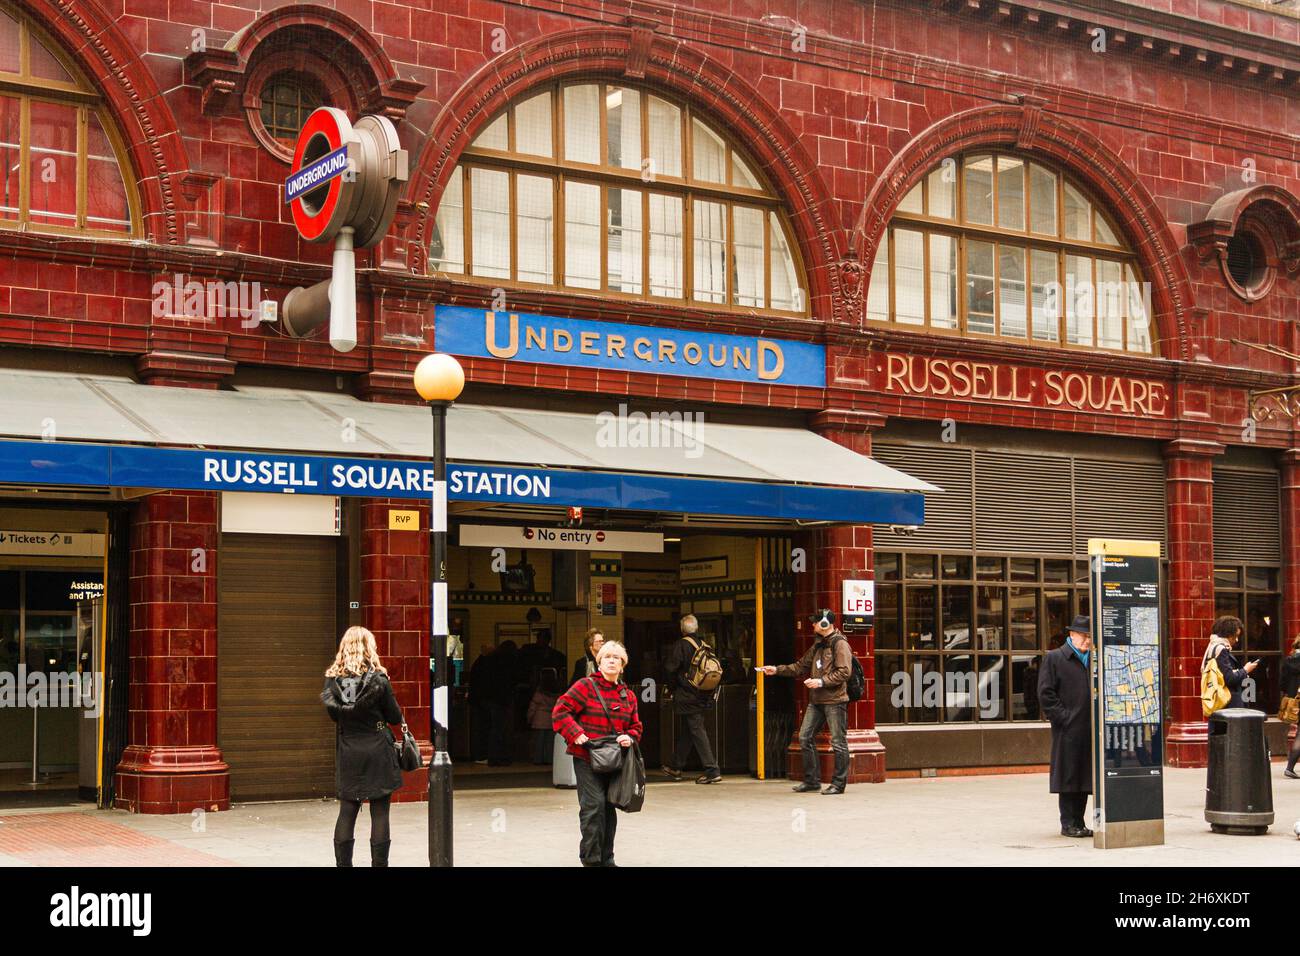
858	601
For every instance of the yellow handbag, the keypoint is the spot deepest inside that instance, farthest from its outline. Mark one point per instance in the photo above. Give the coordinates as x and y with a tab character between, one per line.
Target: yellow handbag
1214	692
1290	710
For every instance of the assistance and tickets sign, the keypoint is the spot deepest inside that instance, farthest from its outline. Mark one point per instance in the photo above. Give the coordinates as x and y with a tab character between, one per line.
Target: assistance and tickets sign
1128	751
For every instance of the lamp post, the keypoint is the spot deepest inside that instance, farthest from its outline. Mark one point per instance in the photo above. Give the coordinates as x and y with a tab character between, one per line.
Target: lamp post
439	380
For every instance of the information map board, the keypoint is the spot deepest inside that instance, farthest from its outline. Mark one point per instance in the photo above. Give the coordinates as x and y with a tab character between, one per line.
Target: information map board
1128	752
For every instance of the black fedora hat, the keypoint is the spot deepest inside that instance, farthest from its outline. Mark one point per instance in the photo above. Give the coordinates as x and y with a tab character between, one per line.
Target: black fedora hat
1082	623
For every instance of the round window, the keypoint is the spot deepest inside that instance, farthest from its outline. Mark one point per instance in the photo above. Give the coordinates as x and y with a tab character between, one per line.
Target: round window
287	100
1247	262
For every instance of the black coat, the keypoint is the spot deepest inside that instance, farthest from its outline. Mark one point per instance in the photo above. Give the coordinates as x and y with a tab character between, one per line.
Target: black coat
1065	697
1290	677
585	667
365	766
686	698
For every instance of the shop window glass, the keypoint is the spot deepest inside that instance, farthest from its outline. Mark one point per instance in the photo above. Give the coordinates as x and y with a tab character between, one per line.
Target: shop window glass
990	618
1042	200
582	124
1261	579
1056	571
942	186
787	292
747	276
1078	215
582	235
623	127
1011	193
1057	617
990	569
708	153
1024	569
919	610
887	709
992	687
978	189
496	135
10	154
1227	577
665	138
956	566
924	708
913	201
886	623
535	227
741	175
1111	300
490	202
909	277
956	618
1011	290
447	249
52	174
666	246
1079	300
710	228
624	253
1022	606
920	567
878	290
1024	686
943	281
533	126
980	316
961	688
886	566
9	44
1046	296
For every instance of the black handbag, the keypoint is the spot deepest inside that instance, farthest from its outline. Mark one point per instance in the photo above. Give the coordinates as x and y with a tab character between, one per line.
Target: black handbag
606	752
408	752
627	790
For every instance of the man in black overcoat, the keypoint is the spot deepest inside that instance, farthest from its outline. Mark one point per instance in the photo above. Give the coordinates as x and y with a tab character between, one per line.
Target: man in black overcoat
1064	693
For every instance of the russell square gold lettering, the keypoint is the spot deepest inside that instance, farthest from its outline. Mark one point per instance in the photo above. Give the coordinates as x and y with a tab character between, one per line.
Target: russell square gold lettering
1019	385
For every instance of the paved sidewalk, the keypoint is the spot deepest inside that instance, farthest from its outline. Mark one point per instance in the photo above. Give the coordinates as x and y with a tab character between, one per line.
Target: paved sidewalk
947	821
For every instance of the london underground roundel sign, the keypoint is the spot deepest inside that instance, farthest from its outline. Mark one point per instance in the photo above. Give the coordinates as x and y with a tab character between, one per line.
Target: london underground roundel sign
317	189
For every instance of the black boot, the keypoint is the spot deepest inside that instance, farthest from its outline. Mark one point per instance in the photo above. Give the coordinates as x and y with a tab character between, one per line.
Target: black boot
343	852
379	853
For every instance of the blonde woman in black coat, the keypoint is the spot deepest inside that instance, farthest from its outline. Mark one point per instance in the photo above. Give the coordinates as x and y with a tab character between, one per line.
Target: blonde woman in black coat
361	702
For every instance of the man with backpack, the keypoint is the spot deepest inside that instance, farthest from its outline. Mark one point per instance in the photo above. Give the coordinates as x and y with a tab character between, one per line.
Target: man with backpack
827	668
695	672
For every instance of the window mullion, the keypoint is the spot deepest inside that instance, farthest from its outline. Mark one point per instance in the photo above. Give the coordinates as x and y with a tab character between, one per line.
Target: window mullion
83	149
467	201
25	157
512	214
767	256
603	217
688	248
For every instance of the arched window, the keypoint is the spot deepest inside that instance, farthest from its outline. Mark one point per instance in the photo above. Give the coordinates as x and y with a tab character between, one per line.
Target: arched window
61	156
998	245
603	187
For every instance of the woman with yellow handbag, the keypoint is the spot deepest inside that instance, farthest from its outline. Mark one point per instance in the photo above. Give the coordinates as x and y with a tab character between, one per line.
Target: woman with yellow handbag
1290	709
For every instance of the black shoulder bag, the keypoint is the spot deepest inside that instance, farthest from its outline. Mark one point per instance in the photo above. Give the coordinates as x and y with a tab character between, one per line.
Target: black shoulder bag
606	753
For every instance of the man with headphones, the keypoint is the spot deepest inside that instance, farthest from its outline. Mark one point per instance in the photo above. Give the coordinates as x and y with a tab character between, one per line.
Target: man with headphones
825	668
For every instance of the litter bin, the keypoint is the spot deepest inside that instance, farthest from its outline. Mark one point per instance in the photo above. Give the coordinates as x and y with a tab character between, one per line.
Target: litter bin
1238	784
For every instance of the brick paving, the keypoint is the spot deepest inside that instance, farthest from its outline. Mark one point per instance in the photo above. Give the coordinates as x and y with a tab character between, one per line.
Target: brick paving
88	839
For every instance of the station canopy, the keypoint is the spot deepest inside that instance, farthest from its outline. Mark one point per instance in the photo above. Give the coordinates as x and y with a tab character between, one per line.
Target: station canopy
77	432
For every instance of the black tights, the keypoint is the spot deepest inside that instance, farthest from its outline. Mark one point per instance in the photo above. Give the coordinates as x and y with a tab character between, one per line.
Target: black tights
347	822
1294	753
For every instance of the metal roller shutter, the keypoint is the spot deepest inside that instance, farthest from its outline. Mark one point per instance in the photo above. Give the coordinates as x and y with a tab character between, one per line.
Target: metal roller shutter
1247	516
1119	499
1022	503
948	515
276	636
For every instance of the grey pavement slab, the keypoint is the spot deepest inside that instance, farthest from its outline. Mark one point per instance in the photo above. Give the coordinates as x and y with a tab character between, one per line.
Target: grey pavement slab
1003	820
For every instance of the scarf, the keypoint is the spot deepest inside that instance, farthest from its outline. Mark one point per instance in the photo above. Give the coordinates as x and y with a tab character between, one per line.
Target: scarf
1082	655
1212	649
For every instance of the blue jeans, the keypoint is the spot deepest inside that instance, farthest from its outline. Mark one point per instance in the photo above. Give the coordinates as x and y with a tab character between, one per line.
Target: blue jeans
836	716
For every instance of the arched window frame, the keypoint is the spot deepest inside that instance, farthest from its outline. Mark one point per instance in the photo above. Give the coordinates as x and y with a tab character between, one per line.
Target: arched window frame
915	215
564	173
76	92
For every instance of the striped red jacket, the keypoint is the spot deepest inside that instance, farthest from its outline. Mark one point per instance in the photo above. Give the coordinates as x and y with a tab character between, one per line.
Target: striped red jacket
579	712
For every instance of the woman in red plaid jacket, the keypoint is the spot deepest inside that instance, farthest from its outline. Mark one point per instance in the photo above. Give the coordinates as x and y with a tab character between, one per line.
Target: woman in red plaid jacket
578	716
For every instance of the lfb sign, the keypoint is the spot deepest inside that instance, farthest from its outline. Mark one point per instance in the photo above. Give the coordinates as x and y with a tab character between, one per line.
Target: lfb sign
343	188
858	604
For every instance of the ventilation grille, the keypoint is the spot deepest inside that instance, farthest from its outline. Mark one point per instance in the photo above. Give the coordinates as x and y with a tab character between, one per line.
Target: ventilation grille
1247	516
948	513
1022	503
1119	499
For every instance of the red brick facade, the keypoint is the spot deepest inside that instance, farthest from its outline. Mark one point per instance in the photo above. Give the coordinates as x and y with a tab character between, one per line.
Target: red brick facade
842	104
